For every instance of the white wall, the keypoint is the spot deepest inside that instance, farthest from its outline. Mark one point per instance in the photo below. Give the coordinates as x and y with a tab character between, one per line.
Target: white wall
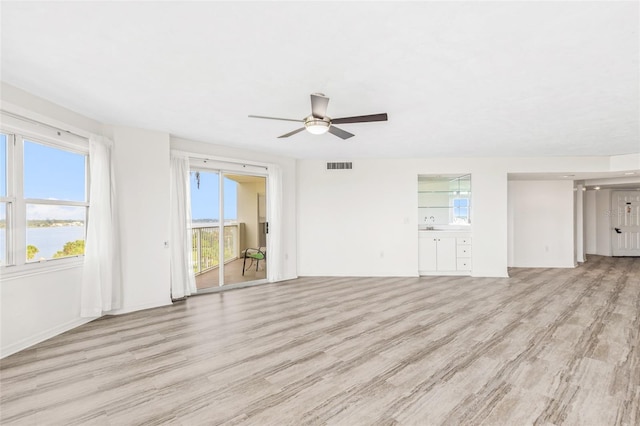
38	306
579	200
357	222
288	165
489	222
25	104
248	212
142	181
590	214
363	222
603	222
541	215
625	162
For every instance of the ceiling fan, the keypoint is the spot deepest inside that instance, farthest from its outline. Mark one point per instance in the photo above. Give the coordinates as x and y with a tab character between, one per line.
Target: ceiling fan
319	123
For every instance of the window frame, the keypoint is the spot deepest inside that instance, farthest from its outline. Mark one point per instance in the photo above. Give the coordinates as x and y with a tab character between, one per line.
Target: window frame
9	200
458	208
18	132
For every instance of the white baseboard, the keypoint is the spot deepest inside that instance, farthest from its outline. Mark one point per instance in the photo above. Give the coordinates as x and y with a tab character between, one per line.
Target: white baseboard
288	278
141	306
23	344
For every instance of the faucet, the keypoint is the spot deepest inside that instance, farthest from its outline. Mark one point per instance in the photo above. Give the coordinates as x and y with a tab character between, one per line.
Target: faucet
427	219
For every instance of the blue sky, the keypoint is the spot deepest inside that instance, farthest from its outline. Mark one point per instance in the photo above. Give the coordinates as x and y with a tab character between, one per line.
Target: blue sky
51	173
204	201
54	174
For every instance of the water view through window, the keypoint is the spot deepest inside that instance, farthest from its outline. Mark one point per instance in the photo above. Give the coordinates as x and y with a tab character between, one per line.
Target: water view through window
52	178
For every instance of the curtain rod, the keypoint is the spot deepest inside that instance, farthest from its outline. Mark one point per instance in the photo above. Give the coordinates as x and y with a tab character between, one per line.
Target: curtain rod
39	123
220	159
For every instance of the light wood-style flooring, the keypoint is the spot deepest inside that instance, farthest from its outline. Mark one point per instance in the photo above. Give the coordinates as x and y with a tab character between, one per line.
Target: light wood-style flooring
543	347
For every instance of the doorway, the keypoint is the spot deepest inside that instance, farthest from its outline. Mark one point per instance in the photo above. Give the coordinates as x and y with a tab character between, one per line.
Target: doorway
625	223
228	211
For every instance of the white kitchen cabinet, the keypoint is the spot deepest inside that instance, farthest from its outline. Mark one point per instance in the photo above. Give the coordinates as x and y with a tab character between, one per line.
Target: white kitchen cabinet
444	253
463	254
428	251
446	256
438	254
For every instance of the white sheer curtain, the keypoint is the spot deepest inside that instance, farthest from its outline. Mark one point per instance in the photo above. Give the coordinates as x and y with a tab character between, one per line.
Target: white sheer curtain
101	276
183	282
275	267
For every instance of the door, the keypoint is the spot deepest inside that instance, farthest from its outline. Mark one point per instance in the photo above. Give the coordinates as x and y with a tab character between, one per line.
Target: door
447	260
228	212
245	229
205	227
625	223
437	253
428	253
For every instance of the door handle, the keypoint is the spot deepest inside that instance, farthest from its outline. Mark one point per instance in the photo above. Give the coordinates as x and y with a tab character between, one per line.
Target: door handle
618	231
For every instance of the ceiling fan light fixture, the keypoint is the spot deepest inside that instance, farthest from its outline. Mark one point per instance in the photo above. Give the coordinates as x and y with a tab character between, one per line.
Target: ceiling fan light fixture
317	126
318	123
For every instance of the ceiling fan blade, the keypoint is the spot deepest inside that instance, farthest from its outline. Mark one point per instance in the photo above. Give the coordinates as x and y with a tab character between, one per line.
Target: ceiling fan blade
286	135
276	118
360	119
319	104
340	133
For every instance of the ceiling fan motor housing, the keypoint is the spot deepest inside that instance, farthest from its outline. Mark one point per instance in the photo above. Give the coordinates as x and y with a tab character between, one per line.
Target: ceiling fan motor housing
317	126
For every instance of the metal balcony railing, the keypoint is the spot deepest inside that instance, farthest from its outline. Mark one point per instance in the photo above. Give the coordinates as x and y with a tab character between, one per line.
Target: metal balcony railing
205	246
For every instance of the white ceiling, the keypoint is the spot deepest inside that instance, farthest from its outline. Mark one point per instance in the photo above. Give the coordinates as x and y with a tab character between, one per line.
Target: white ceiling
456	78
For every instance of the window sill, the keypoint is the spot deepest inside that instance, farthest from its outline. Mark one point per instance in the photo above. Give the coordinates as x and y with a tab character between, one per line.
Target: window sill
37	268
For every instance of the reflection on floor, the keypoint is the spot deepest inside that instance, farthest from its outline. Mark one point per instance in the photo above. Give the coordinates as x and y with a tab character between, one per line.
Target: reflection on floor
232	274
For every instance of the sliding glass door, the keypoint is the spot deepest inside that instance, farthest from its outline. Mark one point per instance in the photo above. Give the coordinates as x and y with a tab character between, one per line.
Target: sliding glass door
228	231
250	231
205	227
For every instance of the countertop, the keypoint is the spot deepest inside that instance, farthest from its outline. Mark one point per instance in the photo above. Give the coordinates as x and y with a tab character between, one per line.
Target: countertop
443	233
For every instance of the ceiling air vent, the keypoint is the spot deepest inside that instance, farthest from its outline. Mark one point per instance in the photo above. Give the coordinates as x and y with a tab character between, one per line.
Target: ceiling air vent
340	166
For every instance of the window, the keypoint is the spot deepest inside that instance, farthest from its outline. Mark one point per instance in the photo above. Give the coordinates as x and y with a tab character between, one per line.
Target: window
43	197
461	209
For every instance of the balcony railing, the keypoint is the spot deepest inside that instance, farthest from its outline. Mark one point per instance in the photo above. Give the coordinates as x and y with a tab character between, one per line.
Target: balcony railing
205	246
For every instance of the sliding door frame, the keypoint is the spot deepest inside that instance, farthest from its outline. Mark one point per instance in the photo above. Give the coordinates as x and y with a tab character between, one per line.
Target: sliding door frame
222	168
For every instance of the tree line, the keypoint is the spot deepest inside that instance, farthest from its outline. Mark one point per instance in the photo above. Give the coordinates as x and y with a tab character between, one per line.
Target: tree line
71	248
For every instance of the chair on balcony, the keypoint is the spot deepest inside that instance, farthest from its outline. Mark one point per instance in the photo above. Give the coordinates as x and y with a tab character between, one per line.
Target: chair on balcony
255	255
